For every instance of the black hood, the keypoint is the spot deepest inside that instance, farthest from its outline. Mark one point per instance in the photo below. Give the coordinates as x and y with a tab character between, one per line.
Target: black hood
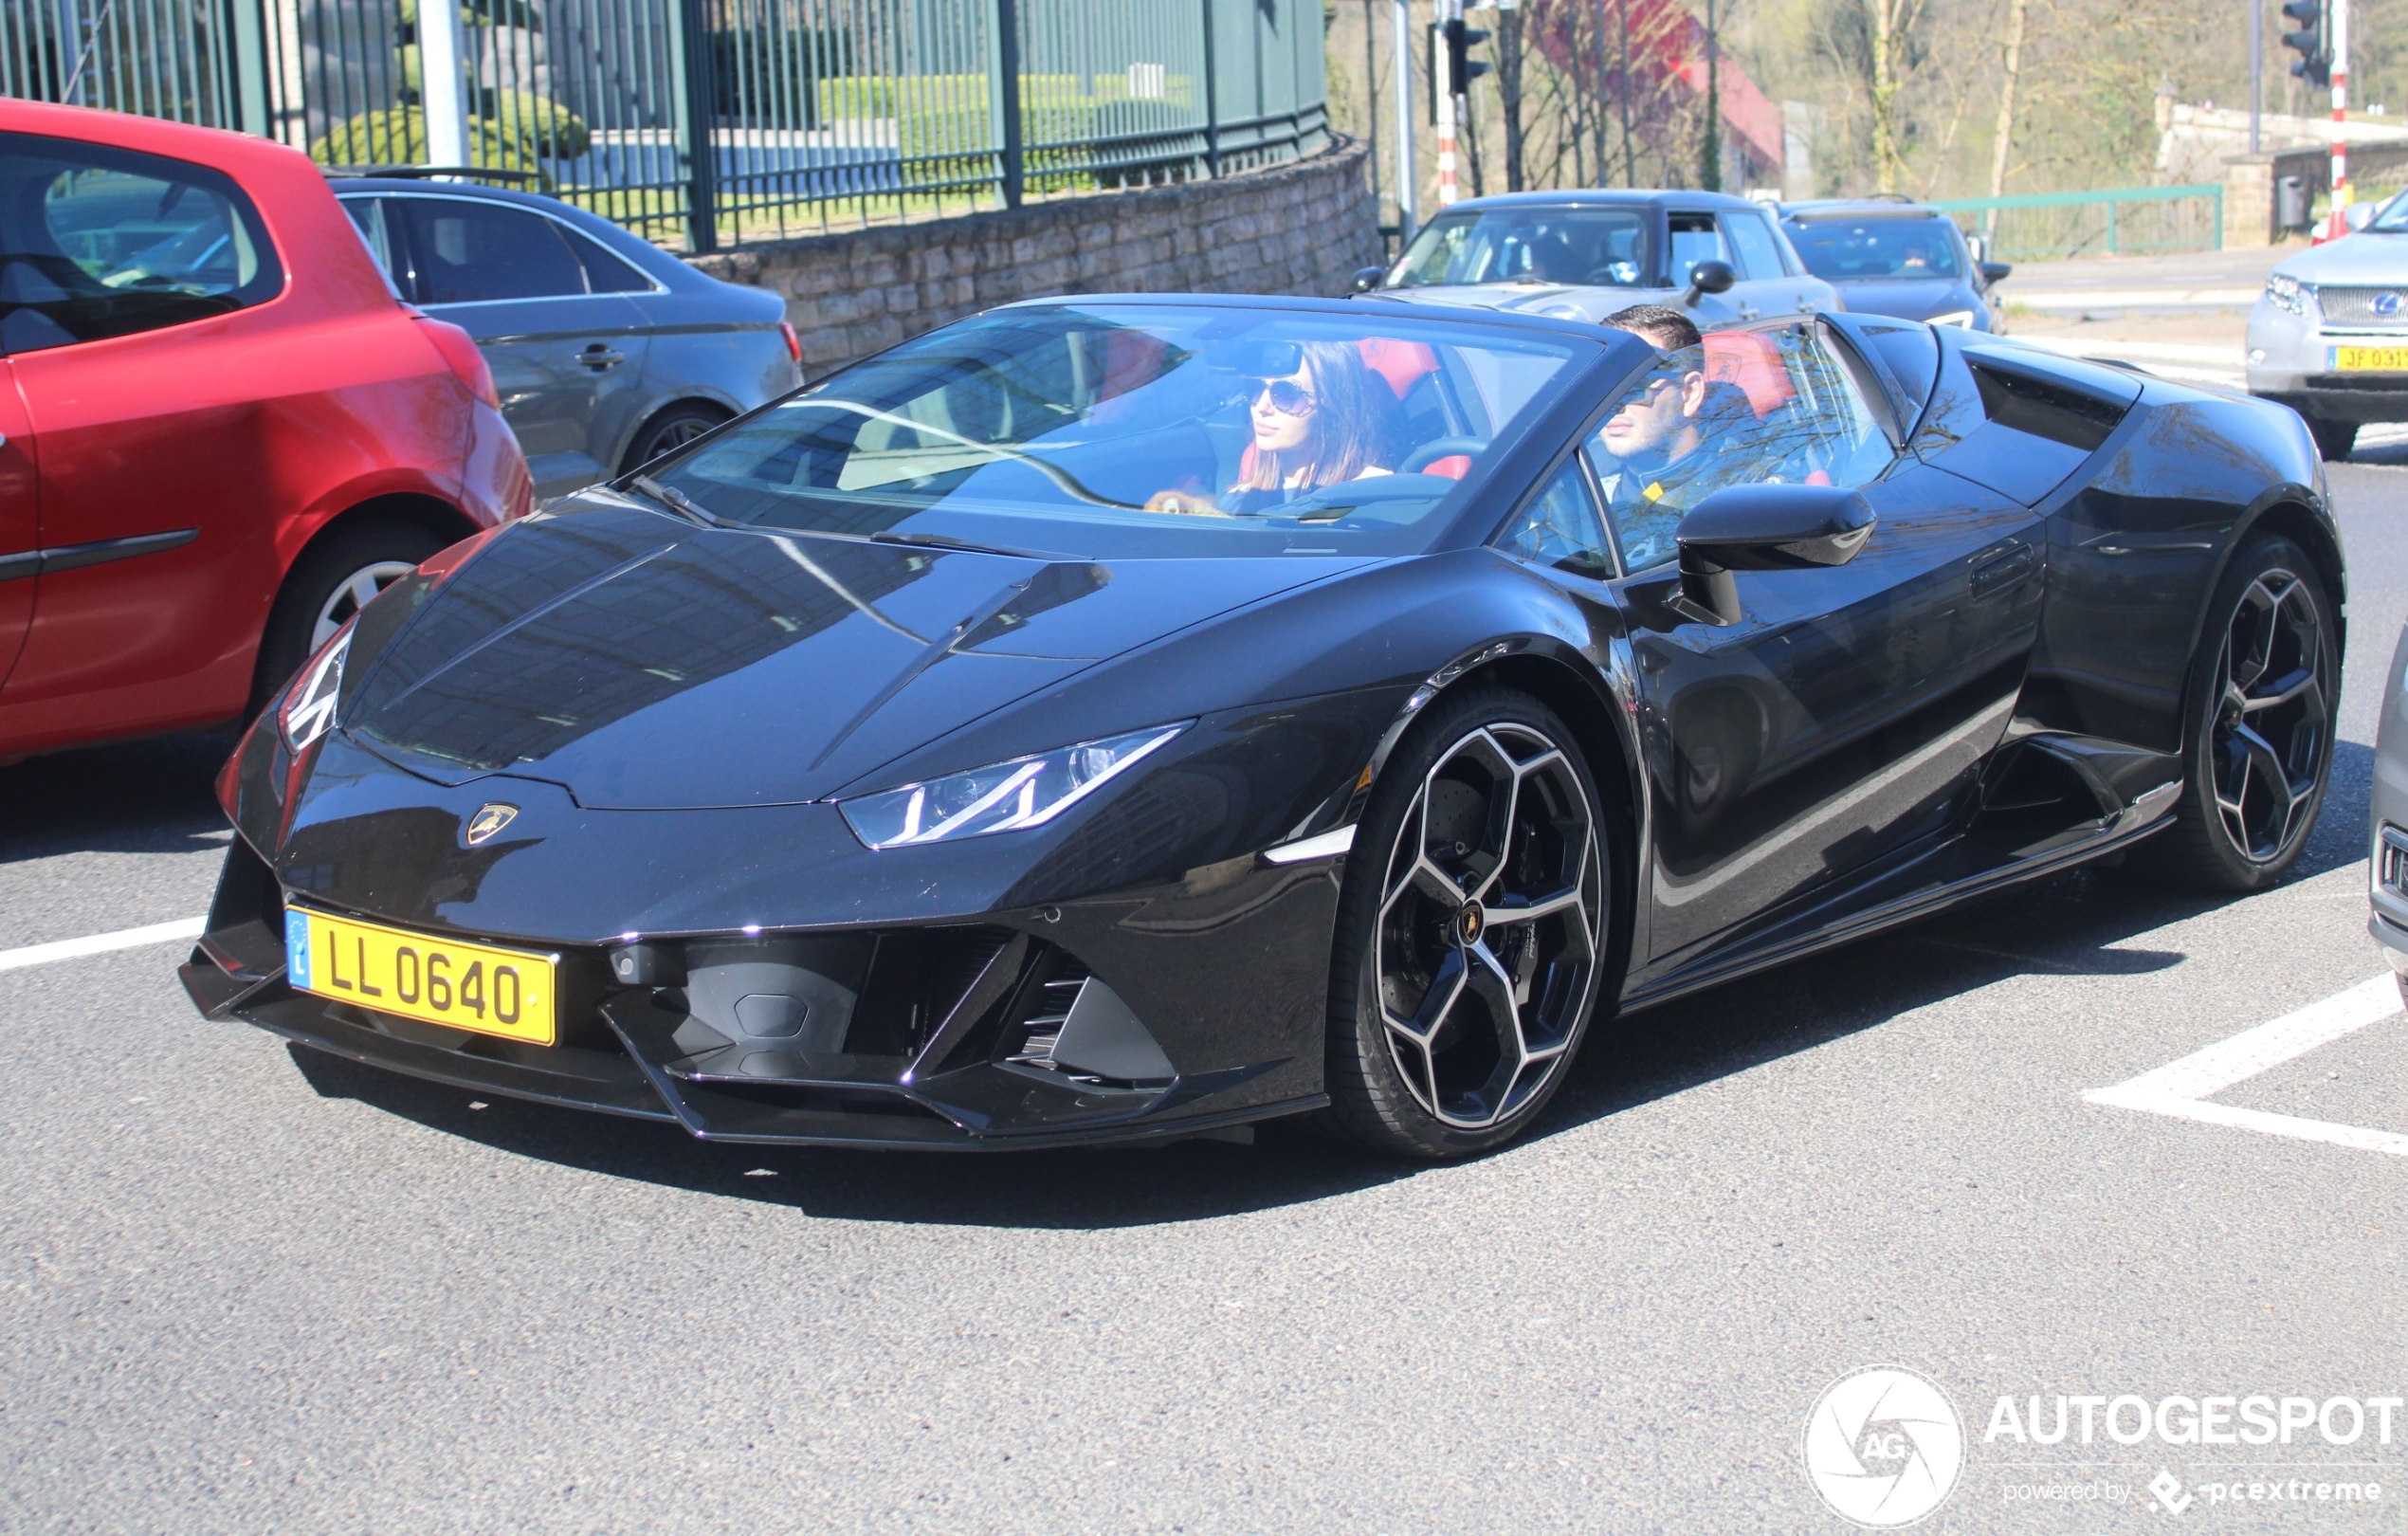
643	662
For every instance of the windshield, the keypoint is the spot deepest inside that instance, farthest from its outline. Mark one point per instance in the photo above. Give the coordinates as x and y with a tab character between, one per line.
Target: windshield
1134	430
1581	246
1839	250
2392	218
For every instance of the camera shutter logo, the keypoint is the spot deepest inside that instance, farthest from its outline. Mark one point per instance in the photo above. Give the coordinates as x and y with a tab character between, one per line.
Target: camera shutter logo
1884	1446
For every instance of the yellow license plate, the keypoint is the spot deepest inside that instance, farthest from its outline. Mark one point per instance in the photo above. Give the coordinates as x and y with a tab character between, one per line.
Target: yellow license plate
2370	360
435	981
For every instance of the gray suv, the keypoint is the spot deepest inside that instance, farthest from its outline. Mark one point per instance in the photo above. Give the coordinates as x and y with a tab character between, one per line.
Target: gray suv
1582	254
606	351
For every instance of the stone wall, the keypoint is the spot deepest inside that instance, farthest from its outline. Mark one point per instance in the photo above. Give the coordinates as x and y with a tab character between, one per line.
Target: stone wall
1301	227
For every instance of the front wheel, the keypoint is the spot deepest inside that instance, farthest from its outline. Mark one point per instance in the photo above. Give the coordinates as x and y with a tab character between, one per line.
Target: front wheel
2259	717
1471	933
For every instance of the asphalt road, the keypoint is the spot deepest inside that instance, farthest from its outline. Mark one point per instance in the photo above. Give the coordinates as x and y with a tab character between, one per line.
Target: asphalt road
251	1290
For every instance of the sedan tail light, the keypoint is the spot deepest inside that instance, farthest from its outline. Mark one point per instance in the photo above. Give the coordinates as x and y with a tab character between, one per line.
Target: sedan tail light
458	349
794	342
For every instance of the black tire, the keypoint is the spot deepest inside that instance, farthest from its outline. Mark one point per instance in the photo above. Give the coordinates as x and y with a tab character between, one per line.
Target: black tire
1518	991
671	429
2334	439
2259	725
325	587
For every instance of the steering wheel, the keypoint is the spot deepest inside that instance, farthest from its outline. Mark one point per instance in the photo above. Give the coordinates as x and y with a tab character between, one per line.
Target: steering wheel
1444	447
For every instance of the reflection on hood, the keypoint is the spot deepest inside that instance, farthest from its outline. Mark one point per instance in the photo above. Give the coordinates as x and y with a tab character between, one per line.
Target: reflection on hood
647	663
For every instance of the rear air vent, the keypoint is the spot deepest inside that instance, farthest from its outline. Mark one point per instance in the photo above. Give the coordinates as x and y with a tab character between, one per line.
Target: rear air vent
2044	409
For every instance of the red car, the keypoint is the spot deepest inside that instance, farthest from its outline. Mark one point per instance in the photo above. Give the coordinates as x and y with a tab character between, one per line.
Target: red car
220	430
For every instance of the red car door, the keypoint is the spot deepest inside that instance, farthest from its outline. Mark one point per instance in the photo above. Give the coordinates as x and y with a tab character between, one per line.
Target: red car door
156	568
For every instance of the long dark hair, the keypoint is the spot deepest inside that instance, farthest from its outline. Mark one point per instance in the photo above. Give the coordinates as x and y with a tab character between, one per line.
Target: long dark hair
1349	422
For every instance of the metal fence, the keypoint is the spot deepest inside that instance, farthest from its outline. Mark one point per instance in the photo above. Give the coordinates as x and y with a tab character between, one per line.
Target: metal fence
2126	221
706	123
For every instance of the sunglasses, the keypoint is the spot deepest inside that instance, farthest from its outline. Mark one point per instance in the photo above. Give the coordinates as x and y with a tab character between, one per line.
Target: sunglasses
1288	399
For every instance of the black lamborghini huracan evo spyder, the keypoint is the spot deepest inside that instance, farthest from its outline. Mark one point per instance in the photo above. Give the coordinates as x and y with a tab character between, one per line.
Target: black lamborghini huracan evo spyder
1120	718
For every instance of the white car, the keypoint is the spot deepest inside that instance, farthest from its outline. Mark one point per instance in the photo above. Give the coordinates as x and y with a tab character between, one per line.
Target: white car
1582	255
2329	336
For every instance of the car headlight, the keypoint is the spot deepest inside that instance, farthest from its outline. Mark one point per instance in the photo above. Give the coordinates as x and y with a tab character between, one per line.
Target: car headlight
308	711
2288	294
1026	791
1954	317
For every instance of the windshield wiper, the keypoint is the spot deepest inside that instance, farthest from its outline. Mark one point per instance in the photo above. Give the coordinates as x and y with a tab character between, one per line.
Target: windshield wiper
929	540
675	499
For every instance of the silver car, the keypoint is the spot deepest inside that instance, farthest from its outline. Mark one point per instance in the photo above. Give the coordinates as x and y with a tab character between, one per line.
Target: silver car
2389	832
2328	336
606	351
1581	255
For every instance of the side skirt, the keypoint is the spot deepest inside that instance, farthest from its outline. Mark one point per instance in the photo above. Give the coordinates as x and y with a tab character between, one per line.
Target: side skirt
1729	965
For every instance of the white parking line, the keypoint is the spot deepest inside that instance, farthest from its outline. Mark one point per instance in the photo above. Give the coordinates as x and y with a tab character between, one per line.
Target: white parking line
99	943
2183	1089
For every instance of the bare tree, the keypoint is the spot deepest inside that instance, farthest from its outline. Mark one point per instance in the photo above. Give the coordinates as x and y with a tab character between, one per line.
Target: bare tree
2002	141
1889	26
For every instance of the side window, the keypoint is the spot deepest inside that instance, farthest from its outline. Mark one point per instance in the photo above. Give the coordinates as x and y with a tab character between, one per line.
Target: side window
470	253
1759	252
605	271
1695	238
1560	528
368	217
1747	406
97	242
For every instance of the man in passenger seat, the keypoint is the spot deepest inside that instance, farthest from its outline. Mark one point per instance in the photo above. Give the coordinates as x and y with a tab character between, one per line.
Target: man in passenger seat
1671	428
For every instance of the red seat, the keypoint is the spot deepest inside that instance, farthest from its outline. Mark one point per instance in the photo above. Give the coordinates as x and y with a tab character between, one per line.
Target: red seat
1753	363
1401	363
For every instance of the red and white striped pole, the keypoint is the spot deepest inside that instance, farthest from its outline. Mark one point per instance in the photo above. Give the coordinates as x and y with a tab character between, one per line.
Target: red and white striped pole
1442	88
2336	221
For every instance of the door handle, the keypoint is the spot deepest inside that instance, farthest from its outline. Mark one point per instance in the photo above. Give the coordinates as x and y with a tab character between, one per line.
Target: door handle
598	356
2008	568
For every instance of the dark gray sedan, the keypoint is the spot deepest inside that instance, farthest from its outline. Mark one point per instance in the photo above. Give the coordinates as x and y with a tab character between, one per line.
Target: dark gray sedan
1896	258
606	351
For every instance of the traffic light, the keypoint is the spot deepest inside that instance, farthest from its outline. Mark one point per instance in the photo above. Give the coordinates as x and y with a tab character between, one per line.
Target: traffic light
2312	41
1461	71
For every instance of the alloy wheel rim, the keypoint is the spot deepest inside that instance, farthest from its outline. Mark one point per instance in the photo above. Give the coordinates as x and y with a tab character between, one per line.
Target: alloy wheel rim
352	593
1485	945
2272	727
675	436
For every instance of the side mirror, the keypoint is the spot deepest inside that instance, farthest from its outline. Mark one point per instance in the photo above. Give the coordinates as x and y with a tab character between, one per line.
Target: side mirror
1763	528
2359	215
1996	272
1367	278
1708	277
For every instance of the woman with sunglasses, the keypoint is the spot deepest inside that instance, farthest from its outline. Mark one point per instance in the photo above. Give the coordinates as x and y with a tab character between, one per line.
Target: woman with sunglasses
1323	424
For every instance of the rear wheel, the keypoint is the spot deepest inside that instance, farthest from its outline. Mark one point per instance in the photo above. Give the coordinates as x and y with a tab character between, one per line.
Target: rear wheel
2260	721
1470	931
671	431
2334	439
333	579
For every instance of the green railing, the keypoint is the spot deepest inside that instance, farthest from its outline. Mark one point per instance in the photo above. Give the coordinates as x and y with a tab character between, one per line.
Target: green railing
2124	221
711	123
